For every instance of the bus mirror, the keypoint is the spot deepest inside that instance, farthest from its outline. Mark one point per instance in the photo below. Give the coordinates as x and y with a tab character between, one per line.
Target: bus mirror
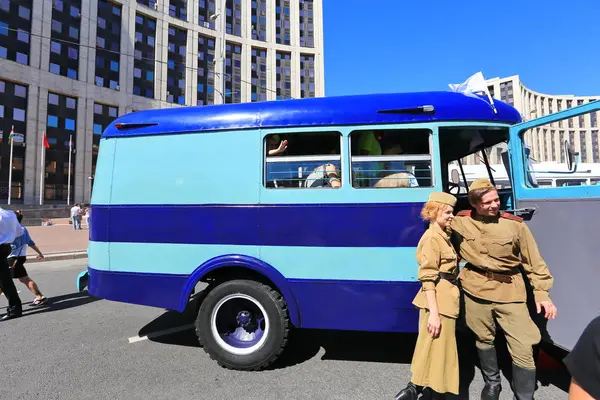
570	154
454	176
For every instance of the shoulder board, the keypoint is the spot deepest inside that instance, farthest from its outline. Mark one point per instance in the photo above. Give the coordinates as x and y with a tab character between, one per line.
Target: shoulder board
511	217
464	213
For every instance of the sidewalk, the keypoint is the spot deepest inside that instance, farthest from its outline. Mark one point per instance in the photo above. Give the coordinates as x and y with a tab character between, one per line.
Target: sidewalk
59	241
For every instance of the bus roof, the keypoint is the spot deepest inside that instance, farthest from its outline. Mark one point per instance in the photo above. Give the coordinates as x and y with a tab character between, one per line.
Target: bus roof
321	111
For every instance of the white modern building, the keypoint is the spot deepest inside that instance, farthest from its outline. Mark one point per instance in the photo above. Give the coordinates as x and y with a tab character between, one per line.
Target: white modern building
546	142
70	67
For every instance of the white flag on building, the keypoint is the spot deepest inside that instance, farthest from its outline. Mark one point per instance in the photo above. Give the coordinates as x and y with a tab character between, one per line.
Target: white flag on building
474	85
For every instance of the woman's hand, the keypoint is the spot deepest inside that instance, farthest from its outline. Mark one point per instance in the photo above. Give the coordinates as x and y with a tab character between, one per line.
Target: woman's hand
434	325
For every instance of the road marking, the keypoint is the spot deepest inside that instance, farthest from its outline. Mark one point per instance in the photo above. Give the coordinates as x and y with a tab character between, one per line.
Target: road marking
165	332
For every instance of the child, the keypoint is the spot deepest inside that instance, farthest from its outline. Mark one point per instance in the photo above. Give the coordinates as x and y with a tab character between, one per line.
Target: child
16	261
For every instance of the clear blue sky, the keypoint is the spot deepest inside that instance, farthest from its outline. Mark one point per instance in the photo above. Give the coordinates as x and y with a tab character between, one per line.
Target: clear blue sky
418	45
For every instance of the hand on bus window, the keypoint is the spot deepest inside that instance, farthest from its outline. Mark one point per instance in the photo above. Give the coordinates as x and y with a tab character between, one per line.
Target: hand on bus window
549	309
280	149
331	173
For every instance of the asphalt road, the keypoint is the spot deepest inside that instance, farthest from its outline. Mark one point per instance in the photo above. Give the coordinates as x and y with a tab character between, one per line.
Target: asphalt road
80	347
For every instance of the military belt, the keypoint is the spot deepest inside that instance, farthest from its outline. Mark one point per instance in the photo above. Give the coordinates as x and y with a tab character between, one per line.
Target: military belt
449	277
504	277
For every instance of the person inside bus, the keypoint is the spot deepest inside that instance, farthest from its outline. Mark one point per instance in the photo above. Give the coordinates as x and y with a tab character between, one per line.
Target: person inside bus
276	146
583	363
435	359
323	176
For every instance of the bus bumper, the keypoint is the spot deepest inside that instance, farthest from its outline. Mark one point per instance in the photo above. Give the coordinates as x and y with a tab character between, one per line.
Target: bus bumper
82	281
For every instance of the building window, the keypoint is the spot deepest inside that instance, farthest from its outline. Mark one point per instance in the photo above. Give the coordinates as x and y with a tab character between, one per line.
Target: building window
108	44
206	8
581	117
145	32
149	3
391	158
103	116
307	27
259	20
561	147
206	71
312	160
282	22
284	75
233	73
66	24
178	9
259	74
307	75
15	28
582	147
176	65
13	113
595	149
60	129
234	17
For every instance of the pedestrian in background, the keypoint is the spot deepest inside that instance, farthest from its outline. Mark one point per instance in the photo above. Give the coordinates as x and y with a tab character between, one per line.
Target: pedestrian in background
76	216
16	262
435	359
10	229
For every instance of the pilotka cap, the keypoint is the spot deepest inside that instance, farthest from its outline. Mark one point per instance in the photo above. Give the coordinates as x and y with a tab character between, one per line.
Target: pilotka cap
444	198
481	183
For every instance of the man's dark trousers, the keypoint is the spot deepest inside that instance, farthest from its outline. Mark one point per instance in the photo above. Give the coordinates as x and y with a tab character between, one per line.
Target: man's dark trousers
7	285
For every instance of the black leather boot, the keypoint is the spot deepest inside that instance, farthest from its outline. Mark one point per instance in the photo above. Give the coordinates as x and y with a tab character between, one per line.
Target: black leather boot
523	382
491	374
410	392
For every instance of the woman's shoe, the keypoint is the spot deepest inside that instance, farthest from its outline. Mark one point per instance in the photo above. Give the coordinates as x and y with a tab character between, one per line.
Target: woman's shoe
410	392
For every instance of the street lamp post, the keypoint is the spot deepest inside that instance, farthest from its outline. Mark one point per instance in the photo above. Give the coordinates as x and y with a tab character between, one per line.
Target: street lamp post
222	14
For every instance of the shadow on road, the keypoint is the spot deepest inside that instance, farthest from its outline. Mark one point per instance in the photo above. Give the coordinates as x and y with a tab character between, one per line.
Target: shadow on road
62	302
393	348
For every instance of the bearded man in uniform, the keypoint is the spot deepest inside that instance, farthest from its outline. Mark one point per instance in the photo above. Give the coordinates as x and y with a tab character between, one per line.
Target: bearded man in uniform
495	244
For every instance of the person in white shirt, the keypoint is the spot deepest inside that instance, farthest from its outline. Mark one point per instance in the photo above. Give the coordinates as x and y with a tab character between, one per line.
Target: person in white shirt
76	216
10	229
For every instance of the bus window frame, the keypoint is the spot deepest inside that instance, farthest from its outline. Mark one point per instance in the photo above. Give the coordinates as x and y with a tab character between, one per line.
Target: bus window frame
266	159
432	131
517	157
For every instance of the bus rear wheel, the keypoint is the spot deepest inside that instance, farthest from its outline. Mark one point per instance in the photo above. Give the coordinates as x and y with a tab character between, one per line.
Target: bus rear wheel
243	325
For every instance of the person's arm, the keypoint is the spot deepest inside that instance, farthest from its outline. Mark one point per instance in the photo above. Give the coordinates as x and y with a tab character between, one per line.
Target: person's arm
429	272
32	244
537	271
576	392
331	174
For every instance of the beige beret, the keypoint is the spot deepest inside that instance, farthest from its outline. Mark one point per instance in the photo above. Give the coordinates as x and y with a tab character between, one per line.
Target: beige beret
444	198
481	183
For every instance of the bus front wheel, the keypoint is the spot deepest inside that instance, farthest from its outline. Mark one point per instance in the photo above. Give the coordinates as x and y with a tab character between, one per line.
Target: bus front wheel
243	325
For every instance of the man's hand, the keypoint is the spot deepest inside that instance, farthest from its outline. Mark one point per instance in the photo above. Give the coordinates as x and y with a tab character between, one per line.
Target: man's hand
549	309
40	256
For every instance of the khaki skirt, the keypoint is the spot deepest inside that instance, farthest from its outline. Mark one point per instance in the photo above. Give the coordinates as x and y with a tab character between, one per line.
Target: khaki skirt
435	361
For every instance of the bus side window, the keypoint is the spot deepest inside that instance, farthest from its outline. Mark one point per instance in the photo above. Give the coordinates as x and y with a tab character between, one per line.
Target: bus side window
303	160
384	158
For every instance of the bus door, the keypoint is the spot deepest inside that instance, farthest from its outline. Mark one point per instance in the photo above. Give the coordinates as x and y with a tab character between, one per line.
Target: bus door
562	217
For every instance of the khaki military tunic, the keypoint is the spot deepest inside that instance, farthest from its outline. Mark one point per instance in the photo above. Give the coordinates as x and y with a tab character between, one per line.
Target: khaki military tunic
500	244
435	360
435	254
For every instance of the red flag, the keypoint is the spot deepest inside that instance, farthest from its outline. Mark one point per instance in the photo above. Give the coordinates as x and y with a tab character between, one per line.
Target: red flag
45	141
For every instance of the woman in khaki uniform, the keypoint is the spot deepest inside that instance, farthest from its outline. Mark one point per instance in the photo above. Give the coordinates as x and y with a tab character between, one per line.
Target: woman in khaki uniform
435	359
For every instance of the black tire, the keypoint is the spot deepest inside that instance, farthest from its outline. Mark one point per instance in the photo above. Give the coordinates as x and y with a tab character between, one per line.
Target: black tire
276	313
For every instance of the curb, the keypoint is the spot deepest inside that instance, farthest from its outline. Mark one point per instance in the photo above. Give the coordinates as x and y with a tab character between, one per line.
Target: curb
72	255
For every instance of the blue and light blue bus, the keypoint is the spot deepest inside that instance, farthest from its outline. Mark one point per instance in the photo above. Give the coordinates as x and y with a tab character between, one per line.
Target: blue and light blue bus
305	213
